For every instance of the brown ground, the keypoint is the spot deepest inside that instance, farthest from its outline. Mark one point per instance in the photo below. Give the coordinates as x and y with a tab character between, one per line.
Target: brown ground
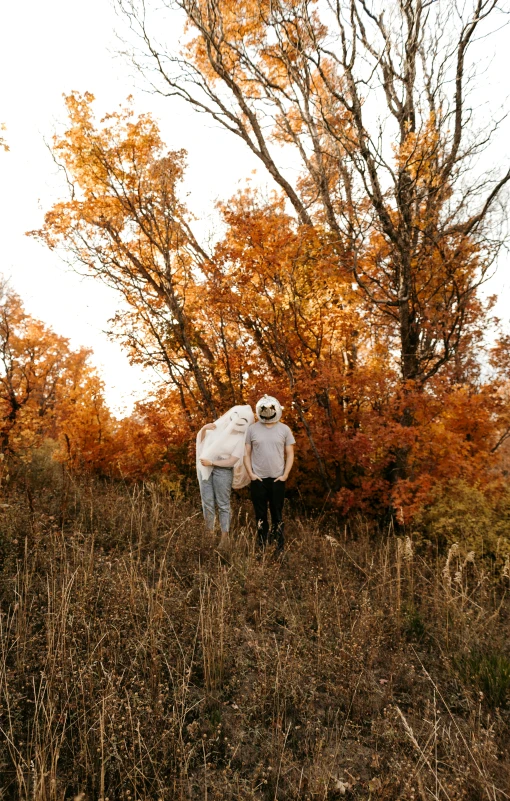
136	663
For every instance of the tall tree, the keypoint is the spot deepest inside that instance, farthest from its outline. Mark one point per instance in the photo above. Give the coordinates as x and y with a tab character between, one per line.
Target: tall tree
282	282
372	99
47	390
127	225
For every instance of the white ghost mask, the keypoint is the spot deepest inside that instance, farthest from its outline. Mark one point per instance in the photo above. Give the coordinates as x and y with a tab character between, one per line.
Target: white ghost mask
226	440
269	409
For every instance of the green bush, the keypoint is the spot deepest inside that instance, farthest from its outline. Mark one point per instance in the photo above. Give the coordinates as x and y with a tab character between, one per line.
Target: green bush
489	672
413	623
465	514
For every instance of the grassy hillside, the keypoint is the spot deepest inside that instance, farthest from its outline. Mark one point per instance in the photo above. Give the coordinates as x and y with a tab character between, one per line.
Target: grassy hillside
135	663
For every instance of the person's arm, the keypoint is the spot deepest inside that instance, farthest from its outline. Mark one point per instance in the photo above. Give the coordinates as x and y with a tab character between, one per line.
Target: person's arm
230	462
289	461
247	463
207	427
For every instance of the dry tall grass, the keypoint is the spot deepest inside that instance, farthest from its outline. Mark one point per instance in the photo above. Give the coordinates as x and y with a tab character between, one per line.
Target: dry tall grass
136	663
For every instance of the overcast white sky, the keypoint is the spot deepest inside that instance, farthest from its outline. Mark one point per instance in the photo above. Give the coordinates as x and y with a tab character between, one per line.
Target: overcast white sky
50	48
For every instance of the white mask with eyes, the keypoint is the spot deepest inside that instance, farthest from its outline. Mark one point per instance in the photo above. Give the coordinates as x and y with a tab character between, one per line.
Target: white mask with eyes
241	422
227	439
269	409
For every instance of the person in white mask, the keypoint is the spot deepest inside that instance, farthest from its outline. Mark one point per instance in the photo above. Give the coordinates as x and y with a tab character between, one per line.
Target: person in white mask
220	466
269	456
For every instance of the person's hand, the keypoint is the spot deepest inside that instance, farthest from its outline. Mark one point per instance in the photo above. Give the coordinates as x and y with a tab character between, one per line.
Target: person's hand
206	462
281	478
255	478
210	426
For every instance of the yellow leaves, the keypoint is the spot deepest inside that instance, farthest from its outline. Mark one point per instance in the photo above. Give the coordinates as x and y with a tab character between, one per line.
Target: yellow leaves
255	42
230	30
419	152
108	154
125	219
275	301
3	143
284	282
45	387
288	126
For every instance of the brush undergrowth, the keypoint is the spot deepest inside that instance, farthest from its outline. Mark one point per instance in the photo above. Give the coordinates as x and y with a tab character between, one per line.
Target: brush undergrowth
136	663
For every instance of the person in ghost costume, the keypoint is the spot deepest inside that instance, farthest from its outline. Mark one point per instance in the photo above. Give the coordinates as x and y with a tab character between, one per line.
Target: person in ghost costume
269	456
220	466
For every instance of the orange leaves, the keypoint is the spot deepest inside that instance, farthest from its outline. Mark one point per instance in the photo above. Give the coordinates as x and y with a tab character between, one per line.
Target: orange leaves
419	153
124	183
285	285
47	390
126	223
101	156
153	441
227	30
455	436
276	308
3	143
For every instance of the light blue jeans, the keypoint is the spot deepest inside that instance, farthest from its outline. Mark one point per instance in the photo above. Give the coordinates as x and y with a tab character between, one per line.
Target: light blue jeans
215	493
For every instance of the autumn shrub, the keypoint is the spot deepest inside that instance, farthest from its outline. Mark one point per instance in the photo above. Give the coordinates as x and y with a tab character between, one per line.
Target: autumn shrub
469	515
41	469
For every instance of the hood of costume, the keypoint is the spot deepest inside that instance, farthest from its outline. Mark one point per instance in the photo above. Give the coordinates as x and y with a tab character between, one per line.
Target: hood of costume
226	440
269	409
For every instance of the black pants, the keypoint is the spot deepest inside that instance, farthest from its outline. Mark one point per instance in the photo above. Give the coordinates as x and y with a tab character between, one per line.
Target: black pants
264	493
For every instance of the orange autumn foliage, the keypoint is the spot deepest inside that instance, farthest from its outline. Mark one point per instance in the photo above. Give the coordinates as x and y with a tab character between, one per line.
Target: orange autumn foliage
274	307
47	390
